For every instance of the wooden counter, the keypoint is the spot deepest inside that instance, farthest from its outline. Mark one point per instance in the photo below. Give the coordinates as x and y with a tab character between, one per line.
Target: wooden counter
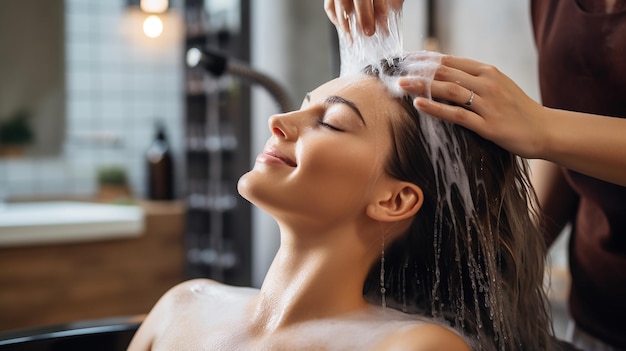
43	285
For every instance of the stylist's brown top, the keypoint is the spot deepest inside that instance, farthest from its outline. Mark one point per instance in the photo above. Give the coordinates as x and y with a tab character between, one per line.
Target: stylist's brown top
582	67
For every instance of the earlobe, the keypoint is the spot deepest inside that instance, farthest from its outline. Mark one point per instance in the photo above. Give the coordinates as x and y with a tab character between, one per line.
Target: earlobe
404	202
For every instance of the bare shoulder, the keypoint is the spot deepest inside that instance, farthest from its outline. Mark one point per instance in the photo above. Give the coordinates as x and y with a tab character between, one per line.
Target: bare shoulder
163	312
187	302
189	290
205	291
424	337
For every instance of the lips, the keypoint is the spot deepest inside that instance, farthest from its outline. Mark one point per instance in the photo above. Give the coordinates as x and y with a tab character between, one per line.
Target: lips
272	152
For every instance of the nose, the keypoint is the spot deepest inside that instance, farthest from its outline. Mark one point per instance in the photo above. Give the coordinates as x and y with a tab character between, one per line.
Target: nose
283	126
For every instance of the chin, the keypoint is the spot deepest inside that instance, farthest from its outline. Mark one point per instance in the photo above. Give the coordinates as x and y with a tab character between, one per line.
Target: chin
243	186
259	193
251	188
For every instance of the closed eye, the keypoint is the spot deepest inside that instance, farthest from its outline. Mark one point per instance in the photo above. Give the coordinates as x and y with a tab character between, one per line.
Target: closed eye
329	126
334	99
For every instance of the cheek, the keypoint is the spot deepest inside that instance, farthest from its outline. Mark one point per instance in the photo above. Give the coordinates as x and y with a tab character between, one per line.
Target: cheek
342	169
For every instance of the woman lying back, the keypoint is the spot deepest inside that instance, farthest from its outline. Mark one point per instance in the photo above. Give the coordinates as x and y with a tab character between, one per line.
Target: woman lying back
398	232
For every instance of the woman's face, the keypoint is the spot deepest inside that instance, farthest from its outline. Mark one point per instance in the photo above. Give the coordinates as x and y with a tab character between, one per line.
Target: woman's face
323	161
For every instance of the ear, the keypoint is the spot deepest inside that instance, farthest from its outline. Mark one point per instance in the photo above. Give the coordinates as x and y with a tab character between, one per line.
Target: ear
400	202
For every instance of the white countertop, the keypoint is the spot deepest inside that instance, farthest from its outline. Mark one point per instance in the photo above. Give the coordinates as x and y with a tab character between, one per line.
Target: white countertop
37	223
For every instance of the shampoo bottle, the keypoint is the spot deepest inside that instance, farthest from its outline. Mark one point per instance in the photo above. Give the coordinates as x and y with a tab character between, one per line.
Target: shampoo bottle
160	168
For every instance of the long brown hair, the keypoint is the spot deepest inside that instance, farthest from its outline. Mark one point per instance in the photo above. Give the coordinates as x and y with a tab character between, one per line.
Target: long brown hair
478	268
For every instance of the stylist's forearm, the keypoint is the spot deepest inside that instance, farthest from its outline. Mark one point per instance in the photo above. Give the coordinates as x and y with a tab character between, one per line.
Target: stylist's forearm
589	144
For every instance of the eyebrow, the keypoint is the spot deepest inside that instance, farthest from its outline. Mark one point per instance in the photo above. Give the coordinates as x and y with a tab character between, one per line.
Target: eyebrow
334	99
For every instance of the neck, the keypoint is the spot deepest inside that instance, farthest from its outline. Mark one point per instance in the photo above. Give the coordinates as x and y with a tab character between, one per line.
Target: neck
313	276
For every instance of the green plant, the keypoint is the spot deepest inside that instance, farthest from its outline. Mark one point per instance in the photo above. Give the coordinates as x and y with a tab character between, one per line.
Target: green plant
16	130
112	175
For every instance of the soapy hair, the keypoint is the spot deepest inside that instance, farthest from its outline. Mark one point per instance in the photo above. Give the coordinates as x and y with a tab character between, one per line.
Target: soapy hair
472	256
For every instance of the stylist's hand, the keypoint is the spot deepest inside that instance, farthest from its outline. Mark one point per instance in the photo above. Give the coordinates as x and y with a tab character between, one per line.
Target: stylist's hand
368	13
500	111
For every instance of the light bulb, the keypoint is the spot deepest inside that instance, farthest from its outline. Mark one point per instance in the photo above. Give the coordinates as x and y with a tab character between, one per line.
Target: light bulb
153	6
153	26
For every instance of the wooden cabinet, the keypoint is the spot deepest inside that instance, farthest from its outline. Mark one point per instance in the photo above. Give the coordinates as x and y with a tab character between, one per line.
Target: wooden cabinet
43	285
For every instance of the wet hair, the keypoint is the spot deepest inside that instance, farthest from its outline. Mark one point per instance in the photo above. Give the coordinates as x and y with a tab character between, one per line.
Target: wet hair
478	268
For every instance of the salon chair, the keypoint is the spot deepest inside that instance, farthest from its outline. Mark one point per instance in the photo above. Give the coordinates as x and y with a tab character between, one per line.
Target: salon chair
110	334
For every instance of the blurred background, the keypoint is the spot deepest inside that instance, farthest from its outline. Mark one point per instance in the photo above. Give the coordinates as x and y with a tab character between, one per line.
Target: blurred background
119	159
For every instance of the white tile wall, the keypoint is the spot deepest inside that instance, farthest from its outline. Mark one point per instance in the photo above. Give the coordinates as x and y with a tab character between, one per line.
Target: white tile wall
119	82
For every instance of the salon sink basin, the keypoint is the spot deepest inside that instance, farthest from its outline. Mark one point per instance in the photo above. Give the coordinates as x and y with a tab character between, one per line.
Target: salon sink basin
37	223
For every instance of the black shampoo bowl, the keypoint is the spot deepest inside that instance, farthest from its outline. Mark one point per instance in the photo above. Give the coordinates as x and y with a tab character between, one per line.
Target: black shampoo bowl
111	334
